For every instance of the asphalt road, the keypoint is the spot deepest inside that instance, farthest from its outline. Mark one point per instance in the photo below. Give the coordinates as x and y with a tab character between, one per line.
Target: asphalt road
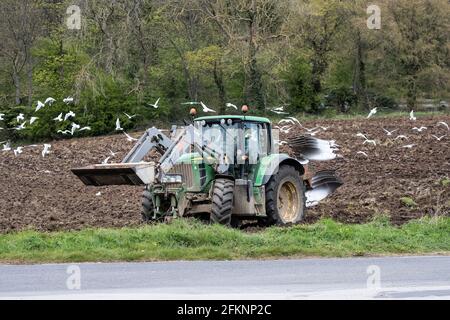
355	278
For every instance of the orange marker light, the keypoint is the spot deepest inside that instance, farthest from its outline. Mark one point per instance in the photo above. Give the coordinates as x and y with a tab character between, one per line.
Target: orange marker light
193	112
244	108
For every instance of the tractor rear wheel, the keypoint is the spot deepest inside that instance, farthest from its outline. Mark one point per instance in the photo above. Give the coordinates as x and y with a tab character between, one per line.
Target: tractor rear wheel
285	197
222	201
148	207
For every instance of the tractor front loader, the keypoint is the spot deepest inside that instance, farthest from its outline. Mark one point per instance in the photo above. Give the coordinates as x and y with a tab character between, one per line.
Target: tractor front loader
223	169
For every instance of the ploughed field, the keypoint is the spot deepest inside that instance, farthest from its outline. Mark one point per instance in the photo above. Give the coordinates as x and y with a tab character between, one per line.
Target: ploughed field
42	193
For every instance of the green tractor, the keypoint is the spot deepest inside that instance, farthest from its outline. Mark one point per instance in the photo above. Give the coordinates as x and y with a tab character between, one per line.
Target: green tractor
224	169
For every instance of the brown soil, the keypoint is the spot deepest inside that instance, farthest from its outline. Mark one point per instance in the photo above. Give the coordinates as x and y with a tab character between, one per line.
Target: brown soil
42	193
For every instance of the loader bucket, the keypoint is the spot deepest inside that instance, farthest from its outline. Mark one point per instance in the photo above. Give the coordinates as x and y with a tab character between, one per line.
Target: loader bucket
135	174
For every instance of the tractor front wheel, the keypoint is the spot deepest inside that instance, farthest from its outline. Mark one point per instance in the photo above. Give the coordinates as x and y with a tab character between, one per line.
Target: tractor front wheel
285	197
148	207
222	201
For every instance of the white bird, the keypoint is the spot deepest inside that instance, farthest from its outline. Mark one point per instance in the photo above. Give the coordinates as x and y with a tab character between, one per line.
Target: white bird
389	133
39	106
49	101
98	194
6	147
440	123
68	115
419	129
411	116
313	133
401	137
75	127
85	129
230	105
370	142
129	138
372	112
278	109
360	135
296	120
190	103
68	100
18	151
112	153
281	143
20	117
439	138
409	146
156	106
106	160
130	117
363	153
46	150
33	119
285	129
59	118
20	127
205	108
286	121
65	132
118	127
1	116
279	112
323	128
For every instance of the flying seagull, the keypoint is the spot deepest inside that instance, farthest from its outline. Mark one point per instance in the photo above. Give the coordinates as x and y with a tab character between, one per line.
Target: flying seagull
18	151
1	116
85	129
65	132
409	146
20	127
71	114
440	123
46	150
401	137
372	112
230	105
363	153
33	119
130	117
205	108
360	135
49	101
75	127
439	138
296	120
20	117
118	127
419	129
59	118
411	116
40	105
129	138
389	133
370	142
190	103
156	106
286	121
68	100
6	147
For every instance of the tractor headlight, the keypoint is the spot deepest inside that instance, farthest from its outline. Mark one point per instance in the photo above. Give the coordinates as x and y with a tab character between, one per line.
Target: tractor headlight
172	178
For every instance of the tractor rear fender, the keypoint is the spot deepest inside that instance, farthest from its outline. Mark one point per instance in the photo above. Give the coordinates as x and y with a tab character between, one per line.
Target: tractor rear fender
269	166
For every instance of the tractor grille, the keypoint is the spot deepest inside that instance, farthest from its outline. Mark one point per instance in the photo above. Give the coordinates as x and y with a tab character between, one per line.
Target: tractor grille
186	171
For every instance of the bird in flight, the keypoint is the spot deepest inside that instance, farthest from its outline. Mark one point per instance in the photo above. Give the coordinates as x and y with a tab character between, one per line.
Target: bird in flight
33	119
68	100
18	151
372	112
85	129
389	133
49	101
419	129
20	117
129	138
106	160
205	108
362	153
68	115
411	116
360	135
230	105
439	138
401	137
1	116
39	106
20	127
6	147
118	127
156	106
75	127
440	123
59	118
370	142
130	117
409	146
65	132
46	150
286	121
296	121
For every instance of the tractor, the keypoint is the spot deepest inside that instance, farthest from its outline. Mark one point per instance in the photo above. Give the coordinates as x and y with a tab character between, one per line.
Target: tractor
223	169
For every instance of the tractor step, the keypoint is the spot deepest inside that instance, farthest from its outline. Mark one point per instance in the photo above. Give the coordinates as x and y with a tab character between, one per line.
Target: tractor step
135	174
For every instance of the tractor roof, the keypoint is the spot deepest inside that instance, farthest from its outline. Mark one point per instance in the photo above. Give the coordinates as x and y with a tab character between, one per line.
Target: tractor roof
243	118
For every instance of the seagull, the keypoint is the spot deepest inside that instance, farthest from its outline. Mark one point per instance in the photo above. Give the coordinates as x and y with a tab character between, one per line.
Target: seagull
205	108
284	130
106	160
281	143
75	127
40	105
295	120
156	104
59	118
118	127
191	103
363	153
6	147
71	114
130	117
49	101
46	150
323	128
33	119
20	127
409	146
18	151
279	110
129	138
439	138
401	137
1	116
370	142
360	135
419	129
98	194
20	117
64	132
85	129
112	153
411	116
286	121
313	133
389	133
230	105
440	123
68	100
372	112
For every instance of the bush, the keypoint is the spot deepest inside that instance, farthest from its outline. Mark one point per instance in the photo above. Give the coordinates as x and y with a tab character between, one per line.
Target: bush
341	99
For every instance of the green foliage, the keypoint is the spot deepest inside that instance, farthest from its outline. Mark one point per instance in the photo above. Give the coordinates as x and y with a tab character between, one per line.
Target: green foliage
341	99
409	202
193	240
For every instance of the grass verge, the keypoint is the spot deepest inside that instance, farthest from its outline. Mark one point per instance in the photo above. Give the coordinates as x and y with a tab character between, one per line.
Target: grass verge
191	240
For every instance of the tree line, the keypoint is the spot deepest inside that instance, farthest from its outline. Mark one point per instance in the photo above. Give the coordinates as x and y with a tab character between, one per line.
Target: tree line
312	56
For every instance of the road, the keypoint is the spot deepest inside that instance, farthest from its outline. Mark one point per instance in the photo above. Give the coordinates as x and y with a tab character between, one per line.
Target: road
424	277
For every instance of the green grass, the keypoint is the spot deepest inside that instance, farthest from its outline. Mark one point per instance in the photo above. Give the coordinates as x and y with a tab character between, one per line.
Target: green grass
191	240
